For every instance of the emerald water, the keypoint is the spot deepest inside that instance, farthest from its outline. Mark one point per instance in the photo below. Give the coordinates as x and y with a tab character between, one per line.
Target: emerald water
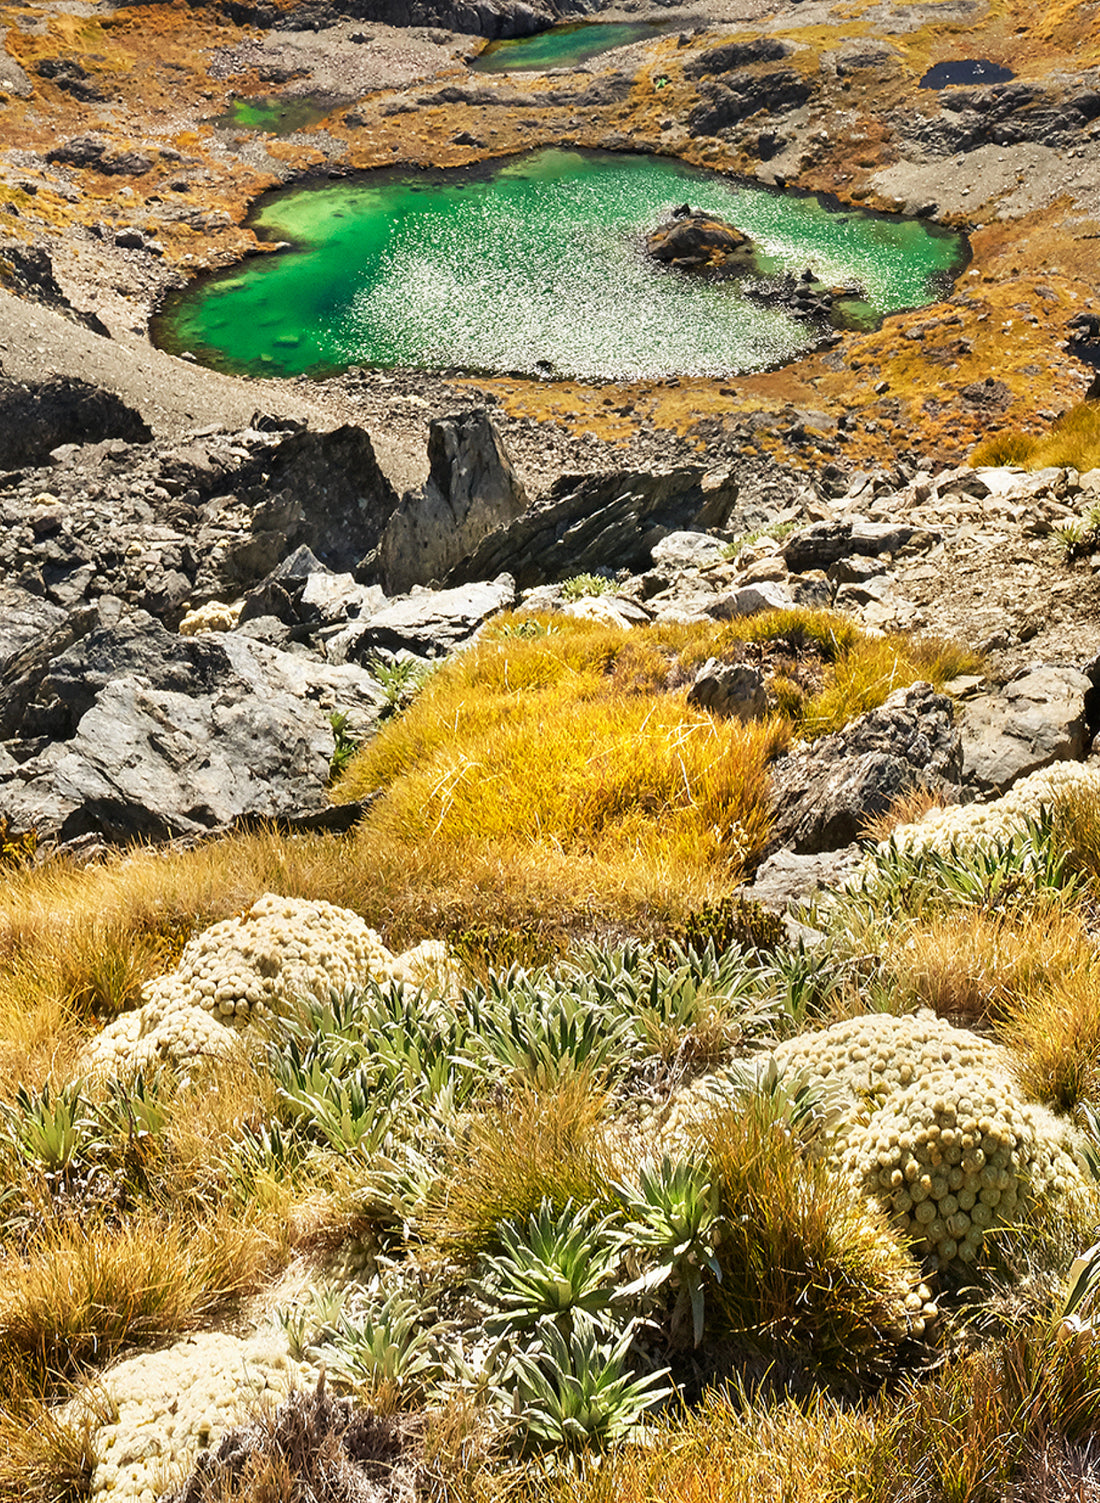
565	46
532	265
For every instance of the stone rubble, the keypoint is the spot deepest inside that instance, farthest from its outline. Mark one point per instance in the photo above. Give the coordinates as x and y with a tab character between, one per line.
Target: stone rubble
183	623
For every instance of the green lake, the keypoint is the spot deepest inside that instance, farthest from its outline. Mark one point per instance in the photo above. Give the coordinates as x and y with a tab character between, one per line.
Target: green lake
536	264
565	46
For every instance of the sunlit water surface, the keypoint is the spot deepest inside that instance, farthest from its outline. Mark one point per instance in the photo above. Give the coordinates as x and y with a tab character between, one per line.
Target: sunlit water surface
532	264
565	46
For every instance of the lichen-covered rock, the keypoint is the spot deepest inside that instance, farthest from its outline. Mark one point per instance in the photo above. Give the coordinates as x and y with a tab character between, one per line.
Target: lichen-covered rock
971	826
165	1407
824	793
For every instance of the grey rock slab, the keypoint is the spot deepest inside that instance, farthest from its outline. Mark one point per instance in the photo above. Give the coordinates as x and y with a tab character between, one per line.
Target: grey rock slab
787	879
32	632
750	600
1037	719
471	490
732	690
823	792
430	623
686	550
336	597
153	763
177	736
321	688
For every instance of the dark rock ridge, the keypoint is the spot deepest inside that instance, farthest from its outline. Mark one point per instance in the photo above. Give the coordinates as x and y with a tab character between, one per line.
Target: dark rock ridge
611	88
825	792
737	55
590	521
734	97
1048	113
37	418
485	18
94	152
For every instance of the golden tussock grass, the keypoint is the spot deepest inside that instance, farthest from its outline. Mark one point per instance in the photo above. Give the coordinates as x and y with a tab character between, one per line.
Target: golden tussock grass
1055	1033
812	1276
729	1451
1013	1423
975	967
80	1294
53	934
582	737
557	784
1073	441
536	1145
46	1456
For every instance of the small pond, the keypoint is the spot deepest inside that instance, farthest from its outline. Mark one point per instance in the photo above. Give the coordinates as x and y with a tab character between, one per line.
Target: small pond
565	46
275	114
537	264
974	70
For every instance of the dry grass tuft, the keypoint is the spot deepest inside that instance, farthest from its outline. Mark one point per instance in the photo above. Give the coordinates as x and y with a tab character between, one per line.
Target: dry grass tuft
1055	1033
812	1277
976	967
310	1446
79	1294
1073	442
45	1456
905	810
538	1144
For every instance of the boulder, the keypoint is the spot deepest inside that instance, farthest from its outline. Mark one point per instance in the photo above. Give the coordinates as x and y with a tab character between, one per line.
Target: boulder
823	792
39	417
786	879
823	543
471	489
734	691
696	240
428	623
180	736
687	550
1038	718
750	600
588	520
612	610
